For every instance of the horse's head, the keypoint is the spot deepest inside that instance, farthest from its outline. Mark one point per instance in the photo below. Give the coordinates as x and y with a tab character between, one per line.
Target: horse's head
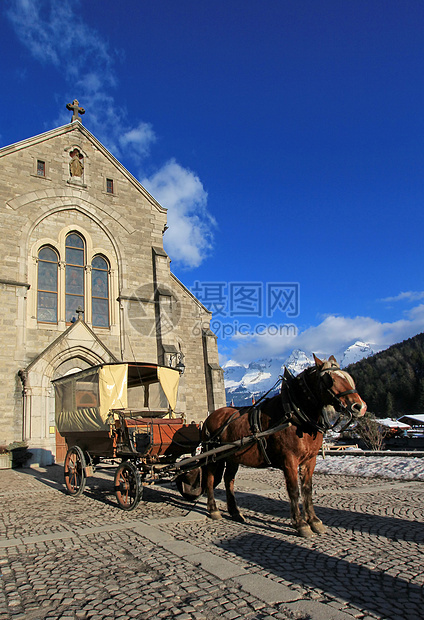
338	391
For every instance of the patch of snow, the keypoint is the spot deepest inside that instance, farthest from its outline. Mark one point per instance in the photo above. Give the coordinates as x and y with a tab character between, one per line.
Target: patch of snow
392	423
255	377
393	467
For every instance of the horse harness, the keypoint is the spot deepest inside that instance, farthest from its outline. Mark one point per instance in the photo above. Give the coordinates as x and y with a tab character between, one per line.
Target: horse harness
292	412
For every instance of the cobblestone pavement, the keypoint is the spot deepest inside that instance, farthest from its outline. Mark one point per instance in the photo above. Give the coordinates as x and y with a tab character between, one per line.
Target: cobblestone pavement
80	558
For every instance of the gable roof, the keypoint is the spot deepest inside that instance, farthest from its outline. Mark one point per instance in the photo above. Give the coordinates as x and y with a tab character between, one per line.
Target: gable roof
76	334
415	418
77	126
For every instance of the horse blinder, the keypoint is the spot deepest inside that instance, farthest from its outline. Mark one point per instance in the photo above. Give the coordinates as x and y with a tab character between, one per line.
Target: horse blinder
327	380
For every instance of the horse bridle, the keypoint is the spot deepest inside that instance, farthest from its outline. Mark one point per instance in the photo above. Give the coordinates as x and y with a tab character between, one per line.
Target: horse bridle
327	387
324	424
341	407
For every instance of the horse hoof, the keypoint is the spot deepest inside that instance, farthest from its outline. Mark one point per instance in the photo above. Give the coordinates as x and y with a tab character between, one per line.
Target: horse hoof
238	517
305	531
318	527
215	515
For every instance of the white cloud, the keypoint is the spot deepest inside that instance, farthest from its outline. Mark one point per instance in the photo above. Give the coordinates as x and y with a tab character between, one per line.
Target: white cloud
138	139
406	296
332	336
55	34
190	234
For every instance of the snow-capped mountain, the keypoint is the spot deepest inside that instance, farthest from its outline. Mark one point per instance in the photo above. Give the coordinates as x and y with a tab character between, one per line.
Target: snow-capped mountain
244	383
356	352
298	361
233	373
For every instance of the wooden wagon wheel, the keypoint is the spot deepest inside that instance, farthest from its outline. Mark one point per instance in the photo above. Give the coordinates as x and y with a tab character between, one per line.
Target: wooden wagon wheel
75	477
128	487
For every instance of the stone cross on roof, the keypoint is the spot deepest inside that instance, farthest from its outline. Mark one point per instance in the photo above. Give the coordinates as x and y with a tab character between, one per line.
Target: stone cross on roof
74	107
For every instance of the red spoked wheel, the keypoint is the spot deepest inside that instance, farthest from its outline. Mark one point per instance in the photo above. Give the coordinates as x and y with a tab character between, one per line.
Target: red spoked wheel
128	487
75	477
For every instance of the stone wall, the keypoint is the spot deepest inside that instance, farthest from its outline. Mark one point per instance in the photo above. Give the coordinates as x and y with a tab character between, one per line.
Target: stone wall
153	317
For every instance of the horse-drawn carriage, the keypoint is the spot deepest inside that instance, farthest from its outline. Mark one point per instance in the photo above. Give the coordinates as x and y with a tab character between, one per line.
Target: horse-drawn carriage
122	412
126	412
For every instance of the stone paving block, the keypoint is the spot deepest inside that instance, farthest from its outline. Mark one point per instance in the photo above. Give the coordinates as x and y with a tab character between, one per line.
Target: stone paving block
265	589
181	548
217	566
153	534
317	611
12	542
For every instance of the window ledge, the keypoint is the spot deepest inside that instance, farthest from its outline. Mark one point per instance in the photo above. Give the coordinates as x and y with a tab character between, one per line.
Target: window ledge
39	176
77	183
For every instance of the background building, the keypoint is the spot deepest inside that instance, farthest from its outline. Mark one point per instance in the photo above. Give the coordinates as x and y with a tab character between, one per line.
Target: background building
84	279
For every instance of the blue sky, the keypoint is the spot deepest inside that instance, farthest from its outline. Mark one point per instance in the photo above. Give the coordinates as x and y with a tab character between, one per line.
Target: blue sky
284	137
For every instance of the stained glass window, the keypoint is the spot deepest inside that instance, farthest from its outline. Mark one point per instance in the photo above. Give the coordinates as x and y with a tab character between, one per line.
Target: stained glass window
100	291
47	286
74	275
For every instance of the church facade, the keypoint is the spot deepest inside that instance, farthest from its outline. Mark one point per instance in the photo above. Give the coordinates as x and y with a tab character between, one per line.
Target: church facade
84	279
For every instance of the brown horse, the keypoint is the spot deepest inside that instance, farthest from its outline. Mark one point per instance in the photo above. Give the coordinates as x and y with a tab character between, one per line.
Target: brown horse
304	407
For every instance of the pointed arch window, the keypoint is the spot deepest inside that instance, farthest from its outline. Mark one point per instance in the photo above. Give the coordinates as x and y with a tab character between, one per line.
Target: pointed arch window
100	291
47	285
74	275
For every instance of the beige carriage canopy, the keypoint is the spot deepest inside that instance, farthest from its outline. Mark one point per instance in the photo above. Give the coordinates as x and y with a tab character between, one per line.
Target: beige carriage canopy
85	400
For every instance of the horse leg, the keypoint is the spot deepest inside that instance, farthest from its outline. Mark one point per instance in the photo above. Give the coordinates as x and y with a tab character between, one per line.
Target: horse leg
306	471
292	484
229	476
211	473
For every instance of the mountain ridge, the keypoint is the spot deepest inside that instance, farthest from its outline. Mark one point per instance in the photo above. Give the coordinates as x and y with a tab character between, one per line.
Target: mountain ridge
245	383
392	381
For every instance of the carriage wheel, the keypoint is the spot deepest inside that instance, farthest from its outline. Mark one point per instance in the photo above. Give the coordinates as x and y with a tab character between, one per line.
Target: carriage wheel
190	484
75	477
128	488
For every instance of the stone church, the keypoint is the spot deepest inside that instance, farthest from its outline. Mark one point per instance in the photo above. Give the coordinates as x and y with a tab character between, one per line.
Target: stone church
84	279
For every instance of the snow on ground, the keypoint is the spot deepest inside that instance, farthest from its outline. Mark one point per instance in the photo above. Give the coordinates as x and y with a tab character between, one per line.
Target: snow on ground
395	467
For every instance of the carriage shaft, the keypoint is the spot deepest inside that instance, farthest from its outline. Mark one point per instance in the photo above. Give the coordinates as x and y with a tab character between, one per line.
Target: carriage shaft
221	452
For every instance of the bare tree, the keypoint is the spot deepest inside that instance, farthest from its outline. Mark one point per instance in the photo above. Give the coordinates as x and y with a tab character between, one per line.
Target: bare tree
370	431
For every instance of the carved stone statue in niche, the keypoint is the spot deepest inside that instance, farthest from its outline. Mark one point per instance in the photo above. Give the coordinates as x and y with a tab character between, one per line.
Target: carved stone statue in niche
76	165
